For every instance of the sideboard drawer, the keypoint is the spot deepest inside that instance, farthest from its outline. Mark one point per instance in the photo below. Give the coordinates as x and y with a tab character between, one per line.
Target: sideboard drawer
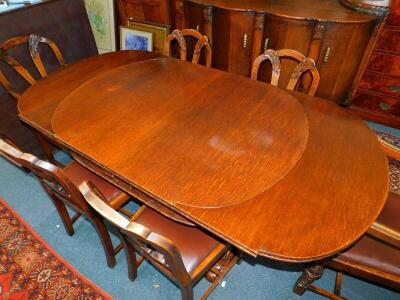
382	104
386	85
385	63
389	40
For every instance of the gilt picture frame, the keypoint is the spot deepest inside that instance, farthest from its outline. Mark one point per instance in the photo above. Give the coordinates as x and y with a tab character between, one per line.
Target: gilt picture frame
159	33
131	39
101	14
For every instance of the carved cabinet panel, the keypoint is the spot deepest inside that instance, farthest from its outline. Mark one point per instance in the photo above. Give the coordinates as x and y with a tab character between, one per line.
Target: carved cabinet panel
342	50
232	40
336	37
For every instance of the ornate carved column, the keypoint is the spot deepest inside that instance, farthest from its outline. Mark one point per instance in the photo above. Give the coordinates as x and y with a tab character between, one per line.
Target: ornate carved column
314	50
309	275
208	19
259	21
316	40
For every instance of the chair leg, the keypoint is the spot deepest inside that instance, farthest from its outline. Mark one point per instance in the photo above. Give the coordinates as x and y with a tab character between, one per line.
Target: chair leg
63	213
338	283
105	241
187	292
130	259
305	281
309	275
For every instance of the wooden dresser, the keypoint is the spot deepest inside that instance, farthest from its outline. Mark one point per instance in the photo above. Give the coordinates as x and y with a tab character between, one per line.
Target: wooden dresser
335	36
377	94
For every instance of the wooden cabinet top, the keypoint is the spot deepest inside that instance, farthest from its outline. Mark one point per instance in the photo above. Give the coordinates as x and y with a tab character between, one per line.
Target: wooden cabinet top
322	10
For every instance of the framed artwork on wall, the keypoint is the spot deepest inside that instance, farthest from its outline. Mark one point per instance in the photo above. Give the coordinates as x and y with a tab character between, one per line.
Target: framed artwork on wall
159	33
132	39
101	16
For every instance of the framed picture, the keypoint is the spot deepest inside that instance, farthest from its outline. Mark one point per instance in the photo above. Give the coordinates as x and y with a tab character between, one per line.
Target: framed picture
135	39
101	18
159	33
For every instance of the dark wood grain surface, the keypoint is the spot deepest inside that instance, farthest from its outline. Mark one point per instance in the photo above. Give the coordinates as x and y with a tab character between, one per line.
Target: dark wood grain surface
216	132
328	199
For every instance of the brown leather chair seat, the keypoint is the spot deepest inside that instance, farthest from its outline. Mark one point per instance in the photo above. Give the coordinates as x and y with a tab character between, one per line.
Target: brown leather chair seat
373	254
77	174
193	244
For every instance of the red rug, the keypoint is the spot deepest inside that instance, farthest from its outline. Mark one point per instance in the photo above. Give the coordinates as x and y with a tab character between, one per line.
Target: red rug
31	269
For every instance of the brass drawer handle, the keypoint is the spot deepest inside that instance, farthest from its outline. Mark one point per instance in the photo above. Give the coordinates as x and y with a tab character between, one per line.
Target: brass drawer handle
245	40
327	54
385	106
394	88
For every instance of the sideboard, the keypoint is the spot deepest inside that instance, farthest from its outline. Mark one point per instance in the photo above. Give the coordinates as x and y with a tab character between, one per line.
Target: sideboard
335	36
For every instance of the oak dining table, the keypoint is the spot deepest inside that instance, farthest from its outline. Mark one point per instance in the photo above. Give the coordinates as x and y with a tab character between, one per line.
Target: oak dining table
277	174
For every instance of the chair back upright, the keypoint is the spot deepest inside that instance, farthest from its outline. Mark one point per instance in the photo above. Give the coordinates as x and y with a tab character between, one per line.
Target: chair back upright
159	250
179	36
50	176
304	65
33	42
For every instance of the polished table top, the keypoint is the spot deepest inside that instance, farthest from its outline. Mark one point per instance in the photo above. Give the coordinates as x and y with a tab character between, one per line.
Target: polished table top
280	175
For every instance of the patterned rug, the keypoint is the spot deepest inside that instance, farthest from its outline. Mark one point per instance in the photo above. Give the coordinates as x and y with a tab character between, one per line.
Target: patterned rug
31	269
394	165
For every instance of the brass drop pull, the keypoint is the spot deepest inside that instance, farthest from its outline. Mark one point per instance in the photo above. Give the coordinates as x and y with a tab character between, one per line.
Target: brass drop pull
327	54
198	28
245	40
385	106
266	44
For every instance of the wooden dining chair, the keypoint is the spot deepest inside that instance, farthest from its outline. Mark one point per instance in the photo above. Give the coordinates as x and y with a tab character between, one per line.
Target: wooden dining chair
375	257
33	41
304	65
179	36
62	187
183	253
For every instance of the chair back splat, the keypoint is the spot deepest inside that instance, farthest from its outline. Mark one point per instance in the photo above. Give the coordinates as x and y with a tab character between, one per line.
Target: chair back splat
33	41
305	65
179	36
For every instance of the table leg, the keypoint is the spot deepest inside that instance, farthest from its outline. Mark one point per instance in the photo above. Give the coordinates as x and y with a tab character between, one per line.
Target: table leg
310	274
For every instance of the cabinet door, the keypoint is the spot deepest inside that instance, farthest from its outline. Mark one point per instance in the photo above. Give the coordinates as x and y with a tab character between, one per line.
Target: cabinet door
282	33
232	40
194	16
341	54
